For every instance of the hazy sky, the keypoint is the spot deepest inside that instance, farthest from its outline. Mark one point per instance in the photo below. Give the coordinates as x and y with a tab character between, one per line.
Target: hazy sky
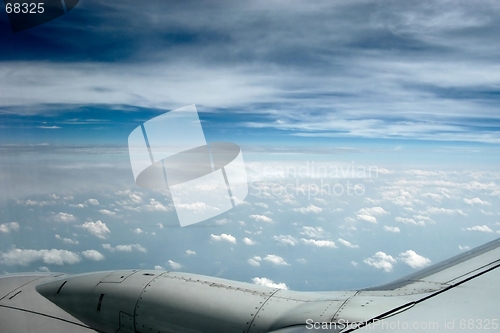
410	90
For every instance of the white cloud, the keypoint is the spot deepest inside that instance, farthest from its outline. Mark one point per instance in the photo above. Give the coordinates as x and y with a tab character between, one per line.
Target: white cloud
98	228
373	211
268	283
125	248
107	212
347	243
476	201
367	218
190	252
137	231
156	206
130	247
93	202
319	243
196	206
368	214
381	260
248	241
287	240
93	255
255	261
159	268
43	269
174	265
135	197
8	227
355	264
78	205
276	260
481	228
440	210
464	248
108	247
261	218
67	240
407	220
309	209
26	257
313	232
414	260
64	217
262	205
222	221
392	229
223	237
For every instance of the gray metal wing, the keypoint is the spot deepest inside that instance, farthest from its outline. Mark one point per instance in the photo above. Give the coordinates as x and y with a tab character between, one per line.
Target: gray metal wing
461	293
458	294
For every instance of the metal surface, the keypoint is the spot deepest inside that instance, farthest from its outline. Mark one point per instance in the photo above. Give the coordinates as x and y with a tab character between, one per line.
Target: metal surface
453	295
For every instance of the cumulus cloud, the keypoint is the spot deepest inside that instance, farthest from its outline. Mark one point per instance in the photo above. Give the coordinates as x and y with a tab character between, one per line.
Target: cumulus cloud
64	217
276	260
255	261
367	218
448	211
190	252
268	283
93	255
67	240
159	268
8	227
248	241
98	229
174	265
107	212
381	260
373	211
261	218
286	240
464	248
369	214
156	206
223	237
481	228
137	231
125	248
347	243
407	220
414	260
25	257
476	201
319	243
313	232
391	229
93	202
309	209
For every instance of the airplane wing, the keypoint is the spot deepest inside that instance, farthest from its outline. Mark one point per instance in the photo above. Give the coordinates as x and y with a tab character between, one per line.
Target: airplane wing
458	294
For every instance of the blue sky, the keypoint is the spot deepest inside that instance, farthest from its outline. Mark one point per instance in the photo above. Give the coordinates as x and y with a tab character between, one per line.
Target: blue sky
411	89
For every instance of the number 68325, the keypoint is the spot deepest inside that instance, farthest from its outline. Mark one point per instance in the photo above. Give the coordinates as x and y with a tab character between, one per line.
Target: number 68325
24	8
